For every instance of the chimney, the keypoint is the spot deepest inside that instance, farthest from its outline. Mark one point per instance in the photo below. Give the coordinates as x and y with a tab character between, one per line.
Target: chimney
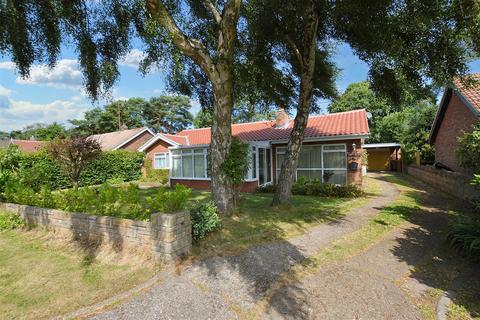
281	119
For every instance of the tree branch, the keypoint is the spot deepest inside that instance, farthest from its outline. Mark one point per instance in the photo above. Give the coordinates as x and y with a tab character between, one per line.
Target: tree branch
192	48
293	47
213	10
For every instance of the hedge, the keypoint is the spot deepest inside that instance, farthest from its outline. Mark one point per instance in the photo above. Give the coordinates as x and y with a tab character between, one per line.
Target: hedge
39	169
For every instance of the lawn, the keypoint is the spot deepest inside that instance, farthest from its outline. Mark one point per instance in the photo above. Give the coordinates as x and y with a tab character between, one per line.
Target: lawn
41	278
255	221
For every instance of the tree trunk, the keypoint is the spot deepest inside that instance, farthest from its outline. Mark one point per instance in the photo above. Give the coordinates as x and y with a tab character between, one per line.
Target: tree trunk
307	63
222	186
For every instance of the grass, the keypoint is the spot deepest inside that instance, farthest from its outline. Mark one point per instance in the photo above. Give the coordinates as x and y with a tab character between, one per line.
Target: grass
255	221
40	278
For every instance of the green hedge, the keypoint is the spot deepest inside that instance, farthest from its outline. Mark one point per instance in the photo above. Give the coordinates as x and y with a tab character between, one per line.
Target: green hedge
155	175
39	169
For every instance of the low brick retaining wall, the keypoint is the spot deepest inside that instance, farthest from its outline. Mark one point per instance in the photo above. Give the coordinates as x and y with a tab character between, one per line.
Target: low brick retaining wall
450	182
168	236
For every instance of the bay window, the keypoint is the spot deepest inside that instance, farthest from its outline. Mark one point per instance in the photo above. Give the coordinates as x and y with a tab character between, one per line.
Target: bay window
328	163
189	163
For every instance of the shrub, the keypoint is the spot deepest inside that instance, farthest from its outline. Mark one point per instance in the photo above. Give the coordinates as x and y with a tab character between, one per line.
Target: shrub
155	175
468	152
170	201
269	188
464	235
315	188
9	221
205	219
119	164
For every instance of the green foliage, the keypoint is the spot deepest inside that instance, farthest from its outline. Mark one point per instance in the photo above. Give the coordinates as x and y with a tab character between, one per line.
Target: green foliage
119	164
315	187
155	175
205	219
170	201
468	152
236	164
464	235
41	132
164	114
203	119
10	221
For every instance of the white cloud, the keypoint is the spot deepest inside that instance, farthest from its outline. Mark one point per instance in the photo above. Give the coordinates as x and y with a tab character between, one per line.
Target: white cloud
65	75
133	59
15	114
4	92
7	65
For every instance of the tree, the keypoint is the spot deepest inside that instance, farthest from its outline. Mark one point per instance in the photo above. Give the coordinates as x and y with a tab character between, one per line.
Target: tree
405	45
204	32
4	135
468	152
126	113
168	114
74	155
50	132
203	119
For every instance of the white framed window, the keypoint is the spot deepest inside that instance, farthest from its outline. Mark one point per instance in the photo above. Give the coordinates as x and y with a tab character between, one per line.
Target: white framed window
327	163
161	160
190	163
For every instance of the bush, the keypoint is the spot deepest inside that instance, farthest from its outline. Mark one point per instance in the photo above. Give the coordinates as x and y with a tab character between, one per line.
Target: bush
205	219
170	201
121	165
269	188
155	175
464	235
315	187
9	221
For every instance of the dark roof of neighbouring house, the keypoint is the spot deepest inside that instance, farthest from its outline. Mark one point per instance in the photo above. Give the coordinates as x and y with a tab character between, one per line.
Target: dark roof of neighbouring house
468	90
117	139
350	123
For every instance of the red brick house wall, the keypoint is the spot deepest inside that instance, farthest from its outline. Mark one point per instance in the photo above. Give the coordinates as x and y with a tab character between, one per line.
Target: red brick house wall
139	141
158	147
458	118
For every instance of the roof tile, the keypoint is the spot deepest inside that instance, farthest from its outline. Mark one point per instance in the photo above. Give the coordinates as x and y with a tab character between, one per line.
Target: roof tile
111	140
334	124
470	92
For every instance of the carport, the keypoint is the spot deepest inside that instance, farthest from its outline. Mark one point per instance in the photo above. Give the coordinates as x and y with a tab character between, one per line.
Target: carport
383	156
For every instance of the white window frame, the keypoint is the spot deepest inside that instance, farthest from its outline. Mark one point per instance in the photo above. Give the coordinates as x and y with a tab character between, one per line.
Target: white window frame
166	156
322	169
189	152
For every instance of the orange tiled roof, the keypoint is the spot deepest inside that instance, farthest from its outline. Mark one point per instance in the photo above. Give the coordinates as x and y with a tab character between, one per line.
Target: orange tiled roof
471	93
27	145
328	125
176	138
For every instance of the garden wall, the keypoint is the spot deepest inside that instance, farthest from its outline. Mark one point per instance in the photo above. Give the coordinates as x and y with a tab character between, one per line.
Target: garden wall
167	236
450	182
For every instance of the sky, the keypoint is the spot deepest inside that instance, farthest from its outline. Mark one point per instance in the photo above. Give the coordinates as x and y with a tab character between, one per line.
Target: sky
56	95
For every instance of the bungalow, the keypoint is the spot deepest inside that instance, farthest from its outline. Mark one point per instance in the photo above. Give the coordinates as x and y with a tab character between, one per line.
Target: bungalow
459	110
129	139
331	150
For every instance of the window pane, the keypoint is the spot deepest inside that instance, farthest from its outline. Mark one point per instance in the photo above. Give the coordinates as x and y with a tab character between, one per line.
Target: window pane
177	166
254	165
334	160
199	166
198	151
316	157
269	166
281	150
159	163
335	176
304	158
335	147
310	174
175	151
280	158
187	166
186	151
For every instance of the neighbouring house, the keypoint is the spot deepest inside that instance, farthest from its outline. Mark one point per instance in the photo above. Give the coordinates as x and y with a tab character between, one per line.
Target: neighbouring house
383	156
459	110
331	150
23	145
130	139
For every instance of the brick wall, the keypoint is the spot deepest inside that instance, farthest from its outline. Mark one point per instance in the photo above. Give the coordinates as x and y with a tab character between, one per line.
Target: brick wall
248	186
138	141
453	183
457	118
167	236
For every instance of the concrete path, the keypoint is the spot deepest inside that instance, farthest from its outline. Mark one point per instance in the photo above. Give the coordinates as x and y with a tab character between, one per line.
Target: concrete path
219	286
376	284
